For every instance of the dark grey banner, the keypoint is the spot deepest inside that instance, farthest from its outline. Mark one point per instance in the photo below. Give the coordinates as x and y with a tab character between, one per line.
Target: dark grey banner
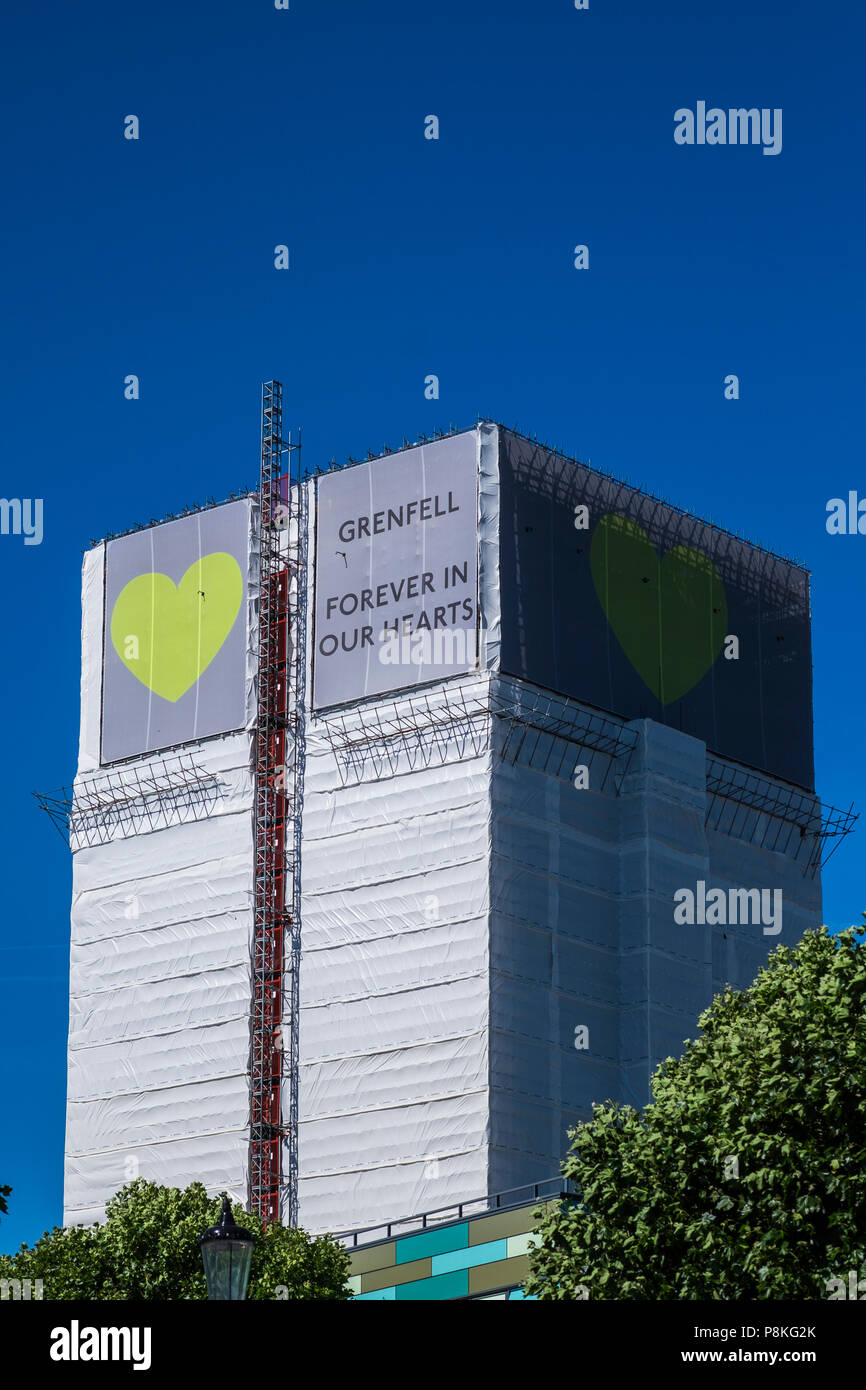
618	600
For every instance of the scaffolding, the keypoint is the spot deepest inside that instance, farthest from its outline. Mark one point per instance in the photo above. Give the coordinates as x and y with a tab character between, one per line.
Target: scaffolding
548	732
420	727
532	725
127	800
773	816
279	764
526	724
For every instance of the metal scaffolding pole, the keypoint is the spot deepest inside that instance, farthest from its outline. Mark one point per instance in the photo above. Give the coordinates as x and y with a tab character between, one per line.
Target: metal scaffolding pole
279	760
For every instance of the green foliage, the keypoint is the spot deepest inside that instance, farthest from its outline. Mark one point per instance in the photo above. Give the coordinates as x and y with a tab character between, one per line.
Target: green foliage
745	1177
147	1248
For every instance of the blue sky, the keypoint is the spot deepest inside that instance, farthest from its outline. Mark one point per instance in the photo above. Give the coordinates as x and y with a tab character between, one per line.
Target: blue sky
408	257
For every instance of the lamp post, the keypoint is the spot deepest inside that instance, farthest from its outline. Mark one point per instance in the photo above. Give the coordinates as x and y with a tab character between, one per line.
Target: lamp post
227	1252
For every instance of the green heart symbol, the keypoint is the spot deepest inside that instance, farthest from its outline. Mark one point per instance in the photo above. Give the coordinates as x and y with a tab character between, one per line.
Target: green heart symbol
670	616
166	635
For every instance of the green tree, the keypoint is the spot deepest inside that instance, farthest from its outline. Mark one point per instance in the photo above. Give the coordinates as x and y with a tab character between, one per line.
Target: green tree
147	1248
745	1176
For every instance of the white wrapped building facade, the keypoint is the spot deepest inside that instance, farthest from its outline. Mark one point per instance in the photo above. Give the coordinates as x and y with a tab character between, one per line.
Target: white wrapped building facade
489	940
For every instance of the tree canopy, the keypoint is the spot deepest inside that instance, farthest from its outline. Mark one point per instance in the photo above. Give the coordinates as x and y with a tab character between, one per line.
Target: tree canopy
745	1176
147	1248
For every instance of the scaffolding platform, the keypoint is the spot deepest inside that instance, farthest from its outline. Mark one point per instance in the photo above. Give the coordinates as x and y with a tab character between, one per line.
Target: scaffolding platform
131	798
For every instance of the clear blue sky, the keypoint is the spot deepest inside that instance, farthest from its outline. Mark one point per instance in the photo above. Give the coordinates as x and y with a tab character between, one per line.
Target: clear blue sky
408	257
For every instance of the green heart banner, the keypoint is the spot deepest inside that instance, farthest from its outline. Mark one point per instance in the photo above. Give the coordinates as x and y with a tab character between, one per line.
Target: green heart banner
167	635
669	615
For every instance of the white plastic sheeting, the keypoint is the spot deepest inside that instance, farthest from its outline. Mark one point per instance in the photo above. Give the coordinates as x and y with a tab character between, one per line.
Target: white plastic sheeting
395	986
395	983
159	967
464	916
92	624
488	545
159	1002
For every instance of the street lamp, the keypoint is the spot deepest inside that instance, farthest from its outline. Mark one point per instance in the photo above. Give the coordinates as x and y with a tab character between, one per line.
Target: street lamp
227	1252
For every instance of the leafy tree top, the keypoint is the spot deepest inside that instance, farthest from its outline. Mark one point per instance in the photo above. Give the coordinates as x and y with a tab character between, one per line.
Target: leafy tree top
147	1248
745	1176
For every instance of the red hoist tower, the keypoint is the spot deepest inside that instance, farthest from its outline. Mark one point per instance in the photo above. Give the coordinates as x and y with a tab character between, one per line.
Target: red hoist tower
279	777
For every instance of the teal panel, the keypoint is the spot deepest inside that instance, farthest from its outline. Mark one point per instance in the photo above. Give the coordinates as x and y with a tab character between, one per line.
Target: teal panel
432	1243
378	1293
453	1285
472	1255
522	1297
